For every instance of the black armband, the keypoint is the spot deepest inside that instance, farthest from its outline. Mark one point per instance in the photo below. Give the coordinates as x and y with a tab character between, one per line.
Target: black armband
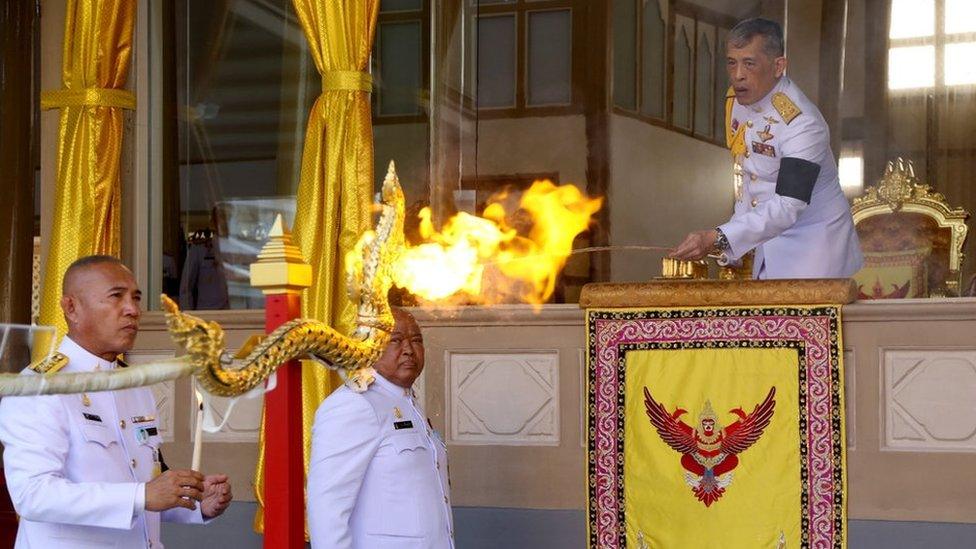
796	178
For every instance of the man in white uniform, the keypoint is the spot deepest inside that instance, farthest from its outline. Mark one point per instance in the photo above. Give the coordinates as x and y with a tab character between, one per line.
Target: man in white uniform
378	472
789	205
85	470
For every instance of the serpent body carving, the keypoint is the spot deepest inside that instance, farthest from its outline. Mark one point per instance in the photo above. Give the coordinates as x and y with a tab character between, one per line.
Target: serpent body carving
369	277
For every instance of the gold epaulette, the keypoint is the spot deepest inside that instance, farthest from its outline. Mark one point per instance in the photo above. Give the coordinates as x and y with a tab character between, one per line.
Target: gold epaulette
51	364
121	363
785	106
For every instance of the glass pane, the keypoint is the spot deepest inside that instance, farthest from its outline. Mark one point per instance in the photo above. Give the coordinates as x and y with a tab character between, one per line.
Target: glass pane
401	5
960	64
682	79
400	68
550	57
244	85
625	54
703	87
912	67
960	16
912	18
652	76
496	61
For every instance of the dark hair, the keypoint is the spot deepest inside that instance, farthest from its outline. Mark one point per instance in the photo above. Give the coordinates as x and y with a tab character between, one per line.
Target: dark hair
770	31
83	263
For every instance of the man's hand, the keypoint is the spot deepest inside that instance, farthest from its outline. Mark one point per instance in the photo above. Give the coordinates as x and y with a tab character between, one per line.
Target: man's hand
695	246
216	496
174	489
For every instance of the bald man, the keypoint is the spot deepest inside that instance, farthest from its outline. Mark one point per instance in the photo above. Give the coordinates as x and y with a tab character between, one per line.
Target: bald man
85	470
377	477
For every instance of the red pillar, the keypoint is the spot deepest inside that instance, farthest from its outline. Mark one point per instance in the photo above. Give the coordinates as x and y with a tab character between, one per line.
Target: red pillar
284	466
281	274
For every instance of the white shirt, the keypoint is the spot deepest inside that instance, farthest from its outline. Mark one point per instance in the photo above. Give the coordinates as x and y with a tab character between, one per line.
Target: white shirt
77	465
377	476
792	239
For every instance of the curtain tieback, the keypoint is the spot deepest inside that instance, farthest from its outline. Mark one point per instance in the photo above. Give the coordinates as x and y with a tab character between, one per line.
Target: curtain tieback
88	97
347	81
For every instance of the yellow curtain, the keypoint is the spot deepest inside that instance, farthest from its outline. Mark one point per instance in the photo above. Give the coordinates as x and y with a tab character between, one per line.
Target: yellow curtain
95	67
336	185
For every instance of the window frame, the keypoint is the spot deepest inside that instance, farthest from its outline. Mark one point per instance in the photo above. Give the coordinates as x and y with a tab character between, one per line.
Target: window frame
699	15
421	16
939	40
521	10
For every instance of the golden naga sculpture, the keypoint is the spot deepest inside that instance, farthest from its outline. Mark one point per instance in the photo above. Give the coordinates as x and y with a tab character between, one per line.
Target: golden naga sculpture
368	282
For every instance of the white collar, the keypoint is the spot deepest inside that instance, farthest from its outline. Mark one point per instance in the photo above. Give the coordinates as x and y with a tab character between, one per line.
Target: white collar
767	101
390	387
81	359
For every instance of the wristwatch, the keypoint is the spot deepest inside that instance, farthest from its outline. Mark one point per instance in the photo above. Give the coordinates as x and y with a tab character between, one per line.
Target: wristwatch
721	242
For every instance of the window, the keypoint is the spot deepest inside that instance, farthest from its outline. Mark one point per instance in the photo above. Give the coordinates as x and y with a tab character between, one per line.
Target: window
678	83
400	61
522	59
931	44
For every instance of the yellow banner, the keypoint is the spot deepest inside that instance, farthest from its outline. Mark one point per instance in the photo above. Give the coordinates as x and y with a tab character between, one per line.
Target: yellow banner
712	448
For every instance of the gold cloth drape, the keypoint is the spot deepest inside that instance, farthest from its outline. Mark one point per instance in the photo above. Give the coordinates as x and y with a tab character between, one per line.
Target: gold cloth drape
95	67
336	186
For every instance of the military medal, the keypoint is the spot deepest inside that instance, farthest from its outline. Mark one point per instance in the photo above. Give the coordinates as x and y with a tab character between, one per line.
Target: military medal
396	413
764	149
85	401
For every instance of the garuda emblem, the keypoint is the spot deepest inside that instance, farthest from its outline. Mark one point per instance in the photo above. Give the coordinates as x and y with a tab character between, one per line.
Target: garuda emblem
709	451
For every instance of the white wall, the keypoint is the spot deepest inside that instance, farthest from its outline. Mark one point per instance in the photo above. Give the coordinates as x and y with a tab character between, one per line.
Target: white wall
407	145
525	145
803	45
662	185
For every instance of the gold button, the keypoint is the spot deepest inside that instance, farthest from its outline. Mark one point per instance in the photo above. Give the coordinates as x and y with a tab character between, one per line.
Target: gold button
752	177
122	423
133	463
749	123
754	202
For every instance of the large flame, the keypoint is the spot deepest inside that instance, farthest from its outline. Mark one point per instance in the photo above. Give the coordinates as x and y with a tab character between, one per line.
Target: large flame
503	256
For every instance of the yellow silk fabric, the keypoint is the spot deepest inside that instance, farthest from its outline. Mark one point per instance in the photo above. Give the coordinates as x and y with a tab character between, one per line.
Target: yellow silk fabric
95	67
762	502
336	186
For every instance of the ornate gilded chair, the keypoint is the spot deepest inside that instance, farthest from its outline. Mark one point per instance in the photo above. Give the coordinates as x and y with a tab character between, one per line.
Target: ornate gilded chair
911	238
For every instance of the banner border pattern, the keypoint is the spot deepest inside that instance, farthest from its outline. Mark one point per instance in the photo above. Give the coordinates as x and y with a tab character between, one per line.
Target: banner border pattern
812	331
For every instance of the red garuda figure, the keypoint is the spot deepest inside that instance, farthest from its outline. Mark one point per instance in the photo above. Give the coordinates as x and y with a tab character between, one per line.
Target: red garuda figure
708	453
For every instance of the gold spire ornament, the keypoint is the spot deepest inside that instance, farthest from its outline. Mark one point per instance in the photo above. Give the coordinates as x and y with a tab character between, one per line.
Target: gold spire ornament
280	267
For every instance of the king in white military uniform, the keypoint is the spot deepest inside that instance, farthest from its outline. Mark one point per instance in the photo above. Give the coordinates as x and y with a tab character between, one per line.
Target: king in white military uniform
78	466
378	472
789	205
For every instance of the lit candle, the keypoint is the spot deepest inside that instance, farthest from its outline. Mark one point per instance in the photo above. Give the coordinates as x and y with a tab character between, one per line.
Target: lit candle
198	432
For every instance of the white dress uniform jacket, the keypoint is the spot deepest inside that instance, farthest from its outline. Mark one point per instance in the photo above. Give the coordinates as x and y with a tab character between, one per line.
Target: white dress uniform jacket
77	465
796	233
378	473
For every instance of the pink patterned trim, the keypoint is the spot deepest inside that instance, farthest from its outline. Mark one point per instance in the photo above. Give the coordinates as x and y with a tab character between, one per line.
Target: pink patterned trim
814	330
